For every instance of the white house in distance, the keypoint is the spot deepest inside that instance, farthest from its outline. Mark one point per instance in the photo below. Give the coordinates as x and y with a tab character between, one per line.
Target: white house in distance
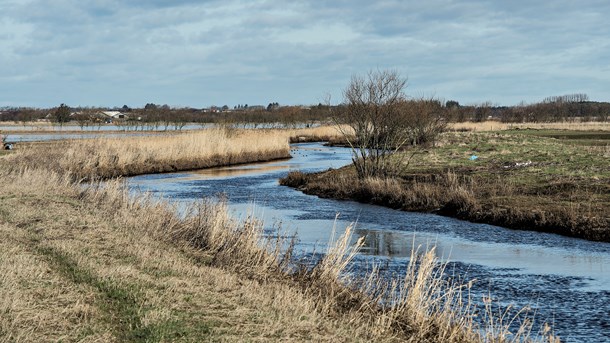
114	115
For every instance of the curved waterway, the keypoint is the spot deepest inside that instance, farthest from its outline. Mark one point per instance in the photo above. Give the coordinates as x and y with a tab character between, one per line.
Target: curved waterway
565	281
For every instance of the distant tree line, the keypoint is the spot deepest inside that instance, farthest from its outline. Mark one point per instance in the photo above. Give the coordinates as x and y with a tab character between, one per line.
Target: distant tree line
569	107
163	116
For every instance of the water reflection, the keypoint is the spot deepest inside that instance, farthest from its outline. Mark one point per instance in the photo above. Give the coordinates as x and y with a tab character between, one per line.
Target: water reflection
239	170
385	243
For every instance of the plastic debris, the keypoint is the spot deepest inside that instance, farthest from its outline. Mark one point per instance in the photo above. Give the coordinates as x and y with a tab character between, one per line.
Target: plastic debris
519	164
474	157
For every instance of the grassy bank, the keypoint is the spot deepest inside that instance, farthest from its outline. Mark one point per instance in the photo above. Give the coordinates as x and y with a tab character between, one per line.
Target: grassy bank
545	180
106	157
94	264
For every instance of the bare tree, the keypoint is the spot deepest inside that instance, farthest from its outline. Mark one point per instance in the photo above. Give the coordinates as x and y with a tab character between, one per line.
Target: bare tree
377	120
425	119
62	114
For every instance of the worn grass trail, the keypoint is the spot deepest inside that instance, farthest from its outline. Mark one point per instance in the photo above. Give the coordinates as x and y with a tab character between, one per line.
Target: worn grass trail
75	268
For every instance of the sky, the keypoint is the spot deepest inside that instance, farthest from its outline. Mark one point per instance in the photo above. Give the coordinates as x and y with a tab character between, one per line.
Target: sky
188	53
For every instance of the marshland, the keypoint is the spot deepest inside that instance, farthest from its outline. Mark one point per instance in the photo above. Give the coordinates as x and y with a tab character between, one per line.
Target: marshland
187	235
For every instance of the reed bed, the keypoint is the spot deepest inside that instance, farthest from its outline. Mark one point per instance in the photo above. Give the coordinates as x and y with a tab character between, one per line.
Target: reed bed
317	134
107	157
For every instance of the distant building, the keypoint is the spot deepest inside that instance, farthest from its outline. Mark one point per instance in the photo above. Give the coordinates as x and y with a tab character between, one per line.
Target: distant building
114	114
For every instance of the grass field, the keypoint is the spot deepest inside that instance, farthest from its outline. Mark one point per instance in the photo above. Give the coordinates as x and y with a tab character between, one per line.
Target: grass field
547	180
492	125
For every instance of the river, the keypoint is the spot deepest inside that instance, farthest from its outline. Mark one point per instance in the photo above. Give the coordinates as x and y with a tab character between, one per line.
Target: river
566	281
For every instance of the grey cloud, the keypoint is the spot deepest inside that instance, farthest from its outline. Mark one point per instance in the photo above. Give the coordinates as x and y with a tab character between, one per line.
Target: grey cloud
231	50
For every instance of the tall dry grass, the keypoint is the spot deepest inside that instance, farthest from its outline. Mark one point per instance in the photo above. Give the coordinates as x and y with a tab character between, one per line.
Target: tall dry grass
444	191
317	134
111	157
90	245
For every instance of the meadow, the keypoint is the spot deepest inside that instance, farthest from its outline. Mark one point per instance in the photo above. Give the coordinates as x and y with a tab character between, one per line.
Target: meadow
532	179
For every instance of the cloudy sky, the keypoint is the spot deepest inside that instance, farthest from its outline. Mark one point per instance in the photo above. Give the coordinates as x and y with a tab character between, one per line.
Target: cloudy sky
201	53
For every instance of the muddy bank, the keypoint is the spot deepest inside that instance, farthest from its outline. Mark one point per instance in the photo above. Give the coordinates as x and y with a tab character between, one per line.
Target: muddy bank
461	196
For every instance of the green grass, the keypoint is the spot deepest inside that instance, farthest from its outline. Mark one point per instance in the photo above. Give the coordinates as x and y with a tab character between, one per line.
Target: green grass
121	303
496	151
525	179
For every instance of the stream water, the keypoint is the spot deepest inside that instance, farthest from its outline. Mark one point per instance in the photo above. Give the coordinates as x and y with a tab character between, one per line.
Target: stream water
565	281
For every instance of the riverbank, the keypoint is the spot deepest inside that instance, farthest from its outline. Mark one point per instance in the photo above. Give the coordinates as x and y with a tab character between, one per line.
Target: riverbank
542	180
104	157
93	263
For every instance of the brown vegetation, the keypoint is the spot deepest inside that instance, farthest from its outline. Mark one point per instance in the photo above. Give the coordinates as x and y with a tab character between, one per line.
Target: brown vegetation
106	158
492	125
517	181
133	155
94	264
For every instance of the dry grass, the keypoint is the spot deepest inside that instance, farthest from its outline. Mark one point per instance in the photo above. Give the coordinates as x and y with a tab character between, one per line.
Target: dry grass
111	157
317	134
445	191
105	158
491	125
94	264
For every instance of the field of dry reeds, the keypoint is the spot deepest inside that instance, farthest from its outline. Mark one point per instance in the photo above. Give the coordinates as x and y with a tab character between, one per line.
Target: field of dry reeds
133	155
108	157
492	125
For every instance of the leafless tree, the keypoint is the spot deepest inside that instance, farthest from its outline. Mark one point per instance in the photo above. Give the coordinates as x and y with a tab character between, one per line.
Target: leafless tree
425	119
377	120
